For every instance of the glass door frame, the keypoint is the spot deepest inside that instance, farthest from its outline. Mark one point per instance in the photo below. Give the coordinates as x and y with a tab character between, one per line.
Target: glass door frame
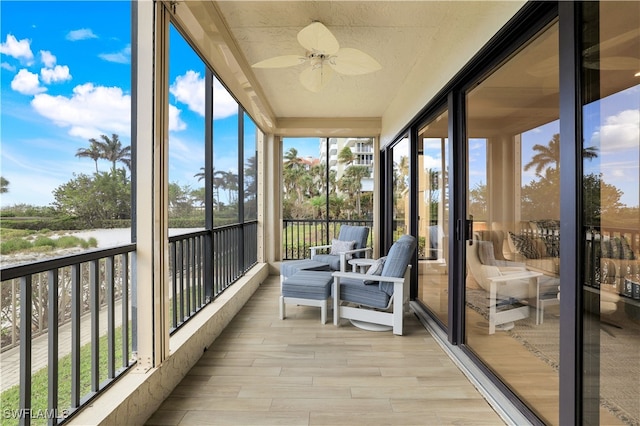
522	27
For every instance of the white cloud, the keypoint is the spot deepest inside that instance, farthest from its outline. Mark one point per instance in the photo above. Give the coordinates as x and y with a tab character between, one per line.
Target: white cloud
122	57
175	122
48	59
186	152
189	90
430	162
20	50
56	74
81	34
89	112
619	133
7	66
223	103
27	83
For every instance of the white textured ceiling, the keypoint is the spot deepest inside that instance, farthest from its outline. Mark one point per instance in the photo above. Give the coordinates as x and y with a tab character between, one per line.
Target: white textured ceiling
419	43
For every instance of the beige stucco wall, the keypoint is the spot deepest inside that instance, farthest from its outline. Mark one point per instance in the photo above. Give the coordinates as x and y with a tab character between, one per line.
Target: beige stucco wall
430	75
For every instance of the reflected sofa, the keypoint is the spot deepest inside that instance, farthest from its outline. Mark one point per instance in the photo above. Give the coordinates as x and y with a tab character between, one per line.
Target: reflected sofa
534	246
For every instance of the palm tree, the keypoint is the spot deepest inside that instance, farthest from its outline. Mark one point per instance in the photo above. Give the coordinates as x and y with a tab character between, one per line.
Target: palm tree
228	181
200	174
94	152
548	156
111	150
345	156
357	173
401	174
291	159
4	185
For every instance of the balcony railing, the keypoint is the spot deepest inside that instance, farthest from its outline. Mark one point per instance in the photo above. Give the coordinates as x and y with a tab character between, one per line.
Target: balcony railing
73	302
612	268
227	251
81	305
300	234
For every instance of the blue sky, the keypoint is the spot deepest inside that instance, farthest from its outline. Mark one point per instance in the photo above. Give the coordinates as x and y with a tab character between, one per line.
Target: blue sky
65	76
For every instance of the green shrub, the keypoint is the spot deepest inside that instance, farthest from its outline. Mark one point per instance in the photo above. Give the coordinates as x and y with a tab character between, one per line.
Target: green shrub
13	245
68	241
44	241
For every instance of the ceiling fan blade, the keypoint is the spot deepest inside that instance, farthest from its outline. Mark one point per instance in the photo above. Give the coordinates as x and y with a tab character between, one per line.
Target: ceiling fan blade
317	38
315	77
281	61
351	61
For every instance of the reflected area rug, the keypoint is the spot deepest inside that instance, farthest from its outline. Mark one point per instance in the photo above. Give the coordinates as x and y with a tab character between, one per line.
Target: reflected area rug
619	354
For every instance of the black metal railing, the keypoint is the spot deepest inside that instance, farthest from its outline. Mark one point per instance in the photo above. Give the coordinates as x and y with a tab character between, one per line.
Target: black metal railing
92	292
611	266
187	270
300	234
203	264
80	292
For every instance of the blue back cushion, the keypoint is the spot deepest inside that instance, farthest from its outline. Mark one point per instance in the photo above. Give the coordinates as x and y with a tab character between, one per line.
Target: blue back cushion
397	261
359	234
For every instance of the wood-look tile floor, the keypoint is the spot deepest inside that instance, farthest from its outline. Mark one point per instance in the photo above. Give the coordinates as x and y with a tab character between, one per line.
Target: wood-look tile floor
265	371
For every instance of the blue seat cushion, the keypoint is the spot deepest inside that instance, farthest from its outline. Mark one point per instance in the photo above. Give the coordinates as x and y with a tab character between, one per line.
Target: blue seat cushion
314	285
290	267
356	291
332	260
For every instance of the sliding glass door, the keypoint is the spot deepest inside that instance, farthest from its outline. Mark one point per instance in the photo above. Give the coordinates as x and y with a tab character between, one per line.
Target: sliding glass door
433	216
513	200
611	212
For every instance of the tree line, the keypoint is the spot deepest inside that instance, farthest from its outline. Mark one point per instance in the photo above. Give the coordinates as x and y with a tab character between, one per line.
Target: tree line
308	187
103	197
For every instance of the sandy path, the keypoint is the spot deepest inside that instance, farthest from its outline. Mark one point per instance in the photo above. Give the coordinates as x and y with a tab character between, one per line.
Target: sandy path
105	237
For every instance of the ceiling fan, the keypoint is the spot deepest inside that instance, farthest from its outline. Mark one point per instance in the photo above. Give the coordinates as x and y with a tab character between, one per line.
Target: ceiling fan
324	56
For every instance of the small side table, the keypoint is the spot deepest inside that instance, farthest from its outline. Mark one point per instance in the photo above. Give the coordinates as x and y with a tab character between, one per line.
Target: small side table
362	264
509	316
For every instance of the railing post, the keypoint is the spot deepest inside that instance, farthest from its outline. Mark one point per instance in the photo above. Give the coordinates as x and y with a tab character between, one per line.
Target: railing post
76	312
125	309
94	303
111	324
26	311
52	337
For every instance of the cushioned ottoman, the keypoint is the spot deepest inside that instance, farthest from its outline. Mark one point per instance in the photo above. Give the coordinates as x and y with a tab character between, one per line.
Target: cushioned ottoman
308	288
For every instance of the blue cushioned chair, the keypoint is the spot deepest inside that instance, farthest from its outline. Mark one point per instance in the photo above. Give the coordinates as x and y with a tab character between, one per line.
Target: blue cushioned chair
379	300
338	261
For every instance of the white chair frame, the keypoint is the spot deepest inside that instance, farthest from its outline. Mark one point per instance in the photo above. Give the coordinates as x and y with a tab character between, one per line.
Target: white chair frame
399	301
343	255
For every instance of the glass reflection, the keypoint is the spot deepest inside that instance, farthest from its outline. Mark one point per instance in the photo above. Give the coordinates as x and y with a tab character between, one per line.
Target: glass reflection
433	216
400	155
611	215
513	197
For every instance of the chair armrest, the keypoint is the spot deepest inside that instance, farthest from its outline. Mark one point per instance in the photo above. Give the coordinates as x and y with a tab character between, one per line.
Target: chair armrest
510	264
315	248
358	276
366	250
511	269
343	256
515	276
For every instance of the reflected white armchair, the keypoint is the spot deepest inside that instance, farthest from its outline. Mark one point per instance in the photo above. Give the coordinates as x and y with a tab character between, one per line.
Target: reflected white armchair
506	283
